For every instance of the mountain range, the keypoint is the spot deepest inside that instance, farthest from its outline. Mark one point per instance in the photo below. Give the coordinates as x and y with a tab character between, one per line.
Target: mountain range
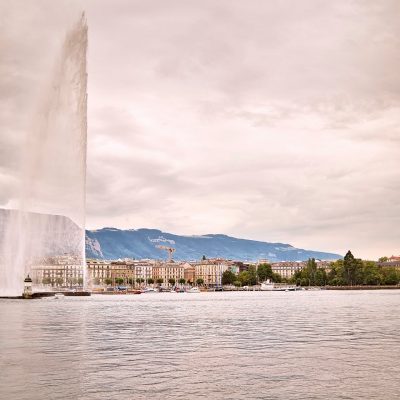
112	243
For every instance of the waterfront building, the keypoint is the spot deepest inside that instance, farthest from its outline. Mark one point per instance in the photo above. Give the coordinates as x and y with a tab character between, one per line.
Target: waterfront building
240	266
392	262
98	271
211	271
101	272
124	270
234	268
167	271
143	269
326	265
286	269
63	271
189	273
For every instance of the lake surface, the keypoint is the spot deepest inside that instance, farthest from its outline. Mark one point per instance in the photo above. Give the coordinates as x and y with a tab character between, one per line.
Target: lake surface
232	345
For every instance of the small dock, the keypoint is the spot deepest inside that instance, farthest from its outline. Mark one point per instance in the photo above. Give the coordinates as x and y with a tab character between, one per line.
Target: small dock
39	295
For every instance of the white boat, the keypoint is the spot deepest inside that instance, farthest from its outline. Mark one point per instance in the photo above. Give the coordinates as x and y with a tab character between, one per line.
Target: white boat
267	285
194	289
276	287
150	290
59	296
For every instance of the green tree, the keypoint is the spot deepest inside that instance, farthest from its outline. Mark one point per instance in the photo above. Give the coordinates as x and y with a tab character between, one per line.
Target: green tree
383	259
228	277
352	269
171	281
276	277
237	283
320	277
252	275
200	281
46	280
358	274
264	272
371	274
336	273
311	275
182	281
310	271
243	278
248	277
160	281
59	281
390	276
108	281
80	281
150	281
119	281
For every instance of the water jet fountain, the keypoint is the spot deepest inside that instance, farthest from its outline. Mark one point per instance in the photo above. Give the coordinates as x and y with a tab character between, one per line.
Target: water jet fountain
50	219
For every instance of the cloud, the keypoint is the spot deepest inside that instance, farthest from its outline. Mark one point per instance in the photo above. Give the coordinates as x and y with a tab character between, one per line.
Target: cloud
270	120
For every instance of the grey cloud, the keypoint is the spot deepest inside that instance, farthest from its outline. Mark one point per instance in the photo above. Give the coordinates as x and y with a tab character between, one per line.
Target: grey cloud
269	120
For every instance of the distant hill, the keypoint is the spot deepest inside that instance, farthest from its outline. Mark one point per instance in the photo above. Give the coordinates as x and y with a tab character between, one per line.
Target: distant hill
111	243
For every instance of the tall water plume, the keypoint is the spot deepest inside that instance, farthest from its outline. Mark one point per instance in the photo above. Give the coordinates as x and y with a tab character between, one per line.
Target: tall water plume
50	219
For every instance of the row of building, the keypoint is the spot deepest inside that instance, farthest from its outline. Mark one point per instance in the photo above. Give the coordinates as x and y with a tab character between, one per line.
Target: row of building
210	271
68	272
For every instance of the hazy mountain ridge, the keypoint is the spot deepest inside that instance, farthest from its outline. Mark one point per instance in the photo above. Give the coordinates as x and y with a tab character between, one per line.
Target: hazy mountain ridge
112	243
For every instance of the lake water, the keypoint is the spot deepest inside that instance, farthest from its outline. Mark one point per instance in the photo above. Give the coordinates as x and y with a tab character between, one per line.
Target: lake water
232	345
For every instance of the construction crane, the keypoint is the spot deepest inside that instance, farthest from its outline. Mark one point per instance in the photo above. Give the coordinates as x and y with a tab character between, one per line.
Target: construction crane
170	251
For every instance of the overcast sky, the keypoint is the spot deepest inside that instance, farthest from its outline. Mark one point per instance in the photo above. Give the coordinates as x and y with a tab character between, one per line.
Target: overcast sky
267	120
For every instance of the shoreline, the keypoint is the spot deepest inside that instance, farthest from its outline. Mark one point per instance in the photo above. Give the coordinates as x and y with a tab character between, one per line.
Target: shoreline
364	287
38	295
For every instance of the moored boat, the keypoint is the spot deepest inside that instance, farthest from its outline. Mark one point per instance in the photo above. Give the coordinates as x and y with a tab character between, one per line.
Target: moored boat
277	287
149	290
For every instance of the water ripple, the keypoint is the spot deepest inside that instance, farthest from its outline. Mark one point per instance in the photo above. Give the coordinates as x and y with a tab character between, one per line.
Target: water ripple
316	345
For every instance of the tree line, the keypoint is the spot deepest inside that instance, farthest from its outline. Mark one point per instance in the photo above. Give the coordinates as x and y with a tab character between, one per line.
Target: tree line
251	277
349	271
150	281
